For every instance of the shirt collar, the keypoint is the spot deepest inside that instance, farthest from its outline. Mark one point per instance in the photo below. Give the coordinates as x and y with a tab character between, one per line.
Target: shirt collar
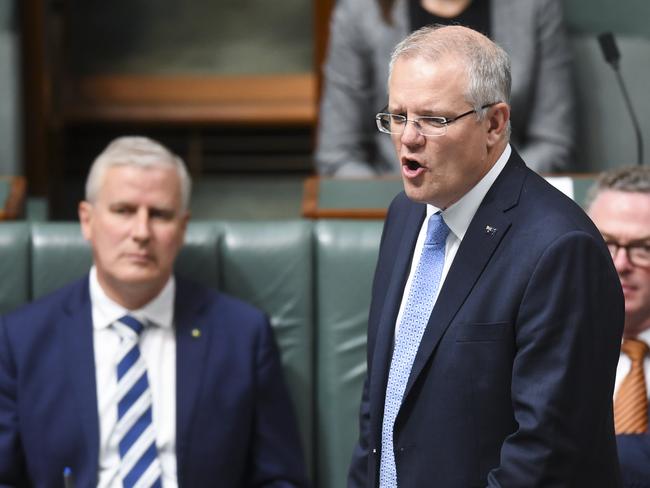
644	336
159	311
460	214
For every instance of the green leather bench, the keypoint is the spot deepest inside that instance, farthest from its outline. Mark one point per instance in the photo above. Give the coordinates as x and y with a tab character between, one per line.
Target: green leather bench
312	278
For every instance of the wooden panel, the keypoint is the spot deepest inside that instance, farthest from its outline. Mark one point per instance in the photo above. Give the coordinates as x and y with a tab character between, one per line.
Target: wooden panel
282	99
12	206
36	96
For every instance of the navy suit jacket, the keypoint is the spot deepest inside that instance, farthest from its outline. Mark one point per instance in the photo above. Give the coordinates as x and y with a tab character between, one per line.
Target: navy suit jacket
634	456
234	421
512	383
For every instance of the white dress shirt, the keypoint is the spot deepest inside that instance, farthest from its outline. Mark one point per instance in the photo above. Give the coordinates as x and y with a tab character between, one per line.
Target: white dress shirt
158	349
457	217
624	365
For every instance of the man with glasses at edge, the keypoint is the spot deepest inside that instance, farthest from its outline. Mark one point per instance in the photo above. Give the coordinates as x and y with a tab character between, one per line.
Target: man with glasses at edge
619	205
496	311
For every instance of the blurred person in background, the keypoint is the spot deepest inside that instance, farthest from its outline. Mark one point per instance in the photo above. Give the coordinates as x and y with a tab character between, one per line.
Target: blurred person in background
619	205
355	74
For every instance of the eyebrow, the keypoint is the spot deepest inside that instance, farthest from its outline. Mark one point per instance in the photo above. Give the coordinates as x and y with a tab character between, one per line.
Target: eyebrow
425	112
638	240
124	204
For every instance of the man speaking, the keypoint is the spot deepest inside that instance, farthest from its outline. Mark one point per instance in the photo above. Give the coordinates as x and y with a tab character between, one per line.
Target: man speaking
496	312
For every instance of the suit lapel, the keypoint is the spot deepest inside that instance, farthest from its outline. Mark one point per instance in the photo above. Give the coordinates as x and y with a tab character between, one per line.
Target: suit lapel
192	343
77	332
487	229
386	328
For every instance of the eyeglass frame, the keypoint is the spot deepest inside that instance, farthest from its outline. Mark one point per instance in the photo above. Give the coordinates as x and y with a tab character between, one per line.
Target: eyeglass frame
643	243
444	121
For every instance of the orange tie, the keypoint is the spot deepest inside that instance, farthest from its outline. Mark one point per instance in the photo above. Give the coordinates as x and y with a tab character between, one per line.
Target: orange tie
631	402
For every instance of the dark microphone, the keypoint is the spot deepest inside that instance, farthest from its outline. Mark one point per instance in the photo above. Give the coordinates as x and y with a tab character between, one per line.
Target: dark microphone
612	56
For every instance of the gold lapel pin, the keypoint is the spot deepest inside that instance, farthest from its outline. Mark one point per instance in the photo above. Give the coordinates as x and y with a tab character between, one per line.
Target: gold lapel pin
196	333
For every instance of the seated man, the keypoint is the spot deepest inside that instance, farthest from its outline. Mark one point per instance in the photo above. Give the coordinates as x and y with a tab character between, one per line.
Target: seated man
132	376
620	208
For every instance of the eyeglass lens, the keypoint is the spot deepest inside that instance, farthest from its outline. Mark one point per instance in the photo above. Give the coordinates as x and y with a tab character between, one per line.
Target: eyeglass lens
637	254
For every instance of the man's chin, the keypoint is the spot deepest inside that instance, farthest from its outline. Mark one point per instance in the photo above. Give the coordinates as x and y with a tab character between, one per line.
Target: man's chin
139	276
143	277
416	193
411	189
132	288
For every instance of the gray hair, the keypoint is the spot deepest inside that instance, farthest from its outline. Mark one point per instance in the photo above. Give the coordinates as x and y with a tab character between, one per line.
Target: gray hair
632	179
487	65
140	152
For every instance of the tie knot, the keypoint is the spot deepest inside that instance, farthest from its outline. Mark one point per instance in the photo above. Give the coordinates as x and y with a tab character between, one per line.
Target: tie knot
132	323
635	349
437	231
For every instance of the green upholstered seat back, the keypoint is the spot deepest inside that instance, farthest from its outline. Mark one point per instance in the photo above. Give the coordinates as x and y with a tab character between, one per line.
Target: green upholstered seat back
269	264
15	242
346	254
199	258
59	255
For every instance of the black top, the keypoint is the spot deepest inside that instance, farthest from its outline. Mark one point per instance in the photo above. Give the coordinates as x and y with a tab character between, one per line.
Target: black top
476	16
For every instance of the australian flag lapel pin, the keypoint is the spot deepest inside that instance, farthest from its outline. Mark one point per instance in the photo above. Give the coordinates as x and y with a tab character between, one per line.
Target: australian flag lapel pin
490	230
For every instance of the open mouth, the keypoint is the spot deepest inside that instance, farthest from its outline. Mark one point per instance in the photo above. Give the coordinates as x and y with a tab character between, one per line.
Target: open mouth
412	165
411	168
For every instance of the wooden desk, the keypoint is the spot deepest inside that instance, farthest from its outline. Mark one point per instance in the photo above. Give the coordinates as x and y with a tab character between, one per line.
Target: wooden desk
368	198
12	196
334	198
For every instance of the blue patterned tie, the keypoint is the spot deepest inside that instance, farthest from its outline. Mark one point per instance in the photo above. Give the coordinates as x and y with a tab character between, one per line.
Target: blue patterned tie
137	440
419	304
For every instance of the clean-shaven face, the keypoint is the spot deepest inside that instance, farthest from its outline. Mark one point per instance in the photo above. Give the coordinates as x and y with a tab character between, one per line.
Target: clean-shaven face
136	227
437	169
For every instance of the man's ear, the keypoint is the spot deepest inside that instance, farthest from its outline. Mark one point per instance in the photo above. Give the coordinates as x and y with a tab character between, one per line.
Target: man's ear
85	211
184	221
498	117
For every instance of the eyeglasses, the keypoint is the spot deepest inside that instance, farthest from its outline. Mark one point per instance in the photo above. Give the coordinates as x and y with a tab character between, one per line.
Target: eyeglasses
638	253
427	126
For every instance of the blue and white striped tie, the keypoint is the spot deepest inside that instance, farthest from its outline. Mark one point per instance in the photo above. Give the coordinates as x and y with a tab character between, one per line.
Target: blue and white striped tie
417	310
140	466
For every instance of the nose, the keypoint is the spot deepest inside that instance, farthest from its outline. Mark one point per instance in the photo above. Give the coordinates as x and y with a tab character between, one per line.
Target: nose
411	134
141	230
622	261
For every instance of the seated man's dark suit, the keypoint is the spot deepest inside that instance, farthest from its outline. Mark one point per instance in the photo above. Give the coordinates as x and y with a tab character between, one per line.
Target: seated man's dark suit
234	421
513	379
634	456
